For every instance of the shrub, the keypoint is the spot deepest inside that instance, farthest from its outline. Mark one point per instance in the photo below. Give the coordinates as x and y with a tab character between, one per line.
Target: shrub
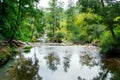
110	46
13	50
27	49
58	37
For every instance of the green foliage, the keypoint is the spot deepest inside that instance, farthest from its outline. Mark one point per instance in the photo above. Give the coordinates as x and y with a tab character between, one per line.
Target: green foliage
110	40
89	5
109	19
50	36
16	18
87	28
32	26
81	23
58	37
6	54
88	18
34	39
8	18
110	46
27	49
81	38
3	56
13	50
53	18
117	18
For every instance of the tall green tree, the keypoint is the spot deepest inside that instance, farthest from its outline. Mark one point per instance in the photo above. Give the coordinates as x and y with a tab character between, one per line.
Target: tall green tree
32	26
8	18
89	5
70	18
53	18
12	13
108	16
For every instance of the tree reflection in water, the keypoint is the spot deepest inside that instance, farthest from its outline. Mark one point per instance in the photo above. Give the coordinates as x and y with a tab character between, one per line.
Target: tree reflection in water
52	61
25	69
66	62
79	78
26	66
113	64
87	60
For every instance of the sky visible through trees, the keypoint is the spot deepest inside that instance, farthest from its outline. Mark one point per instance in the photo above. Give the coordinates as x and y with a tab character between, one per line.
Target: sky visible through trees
45	3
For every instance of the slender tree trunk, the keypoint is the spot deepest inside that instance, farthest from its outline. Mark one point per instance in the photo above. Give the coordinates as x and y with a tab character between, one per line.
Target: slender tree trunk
32	33
54	26
53	31
105	75
102	2
112	31
113	34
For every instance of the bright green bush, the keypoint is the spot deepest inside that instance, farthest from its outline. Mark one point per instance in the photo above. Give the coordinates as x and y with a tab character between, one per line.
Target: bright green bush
88	28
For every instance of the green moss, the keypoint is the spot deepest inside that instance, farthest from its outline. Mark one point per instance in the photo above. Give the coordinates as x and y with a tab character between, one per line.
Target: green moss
27	49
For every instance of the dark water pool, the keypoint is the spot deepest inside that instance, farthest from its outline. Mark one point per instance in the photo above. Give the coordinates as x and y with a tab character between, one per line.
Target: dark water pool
57	63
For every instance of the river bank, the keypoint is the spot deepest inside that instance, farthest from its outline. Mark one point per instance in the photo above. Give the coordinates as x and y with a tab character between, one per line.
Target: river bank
8	51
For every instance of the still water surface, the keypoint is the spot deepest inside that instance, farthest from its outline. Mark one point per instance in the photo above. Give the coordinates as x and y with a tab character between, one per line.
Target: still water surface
57	63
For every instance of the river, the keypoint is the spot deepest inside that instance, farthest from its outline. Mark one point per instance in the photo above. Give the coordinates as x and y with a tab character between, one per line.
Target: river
50	62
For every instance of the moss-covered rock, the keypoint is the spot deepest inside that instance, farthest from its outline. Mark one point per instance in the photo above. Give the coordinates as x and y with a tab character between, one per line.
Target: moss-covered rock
4	56
6	53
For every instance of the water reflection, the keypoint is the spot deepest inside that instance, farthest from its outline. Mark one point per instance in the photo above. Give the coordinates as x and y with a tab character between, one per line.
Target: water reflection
88	60
25	69
79	78
52	61
61	63
66	62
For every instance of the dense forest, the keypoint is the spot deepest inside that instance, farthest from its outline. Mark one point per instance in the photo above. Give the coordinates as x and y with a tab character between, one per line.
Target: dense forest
87	21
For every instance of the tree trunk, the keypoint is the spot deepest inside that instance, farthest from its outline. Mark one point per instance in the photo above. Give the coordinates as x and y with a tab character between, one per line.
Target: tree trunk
32	33
112	32
102	1
53	32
